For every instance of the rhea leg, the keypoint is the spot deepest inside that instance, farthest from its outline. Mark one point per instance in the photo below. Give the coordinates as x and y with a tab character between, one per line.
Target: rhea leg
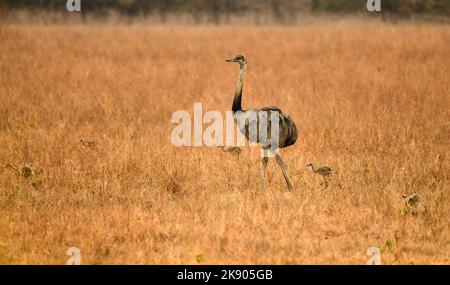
283	169
325	182
262	175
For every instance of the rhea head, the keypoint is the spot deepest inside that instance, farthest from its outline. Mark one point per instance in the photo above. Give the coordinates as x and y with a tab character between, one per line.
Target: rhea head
238	58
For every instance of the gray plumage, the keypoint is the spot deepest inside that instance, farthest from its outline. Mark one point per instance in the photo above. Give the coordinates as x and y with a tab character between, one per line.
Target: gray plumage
87	143
412	202
25	170
263	120
234	150
324	171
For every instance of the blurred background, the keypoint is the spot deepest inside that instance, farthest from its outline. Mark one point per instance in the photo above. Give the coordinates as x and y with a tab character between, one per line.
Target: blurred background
258	12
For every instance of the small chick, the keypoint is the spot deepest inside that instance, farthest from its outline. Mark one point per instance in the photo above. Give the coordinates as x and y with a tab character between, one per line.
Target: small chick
412	202
234	150
324	171
90	144
26	171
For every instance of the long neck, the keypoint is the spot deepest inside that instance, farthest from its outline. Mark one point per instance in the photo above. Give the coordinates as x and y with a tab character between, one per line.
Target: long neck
313	168
237	101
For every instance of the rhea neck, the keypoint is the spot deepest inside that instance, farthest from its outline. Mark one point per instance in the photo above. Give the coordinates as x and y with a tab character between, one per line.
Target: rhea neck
313	168
237	101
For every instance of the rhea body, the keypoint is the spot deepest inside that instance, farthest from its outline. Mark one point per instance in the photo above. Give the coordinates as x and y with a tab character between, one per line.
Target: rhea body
90	144
234	150
286	131
412	202
324	171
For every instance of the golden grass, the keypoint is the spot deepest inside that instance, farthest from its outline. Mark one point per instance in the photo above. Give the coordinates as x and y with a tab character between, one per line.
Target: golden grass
371	101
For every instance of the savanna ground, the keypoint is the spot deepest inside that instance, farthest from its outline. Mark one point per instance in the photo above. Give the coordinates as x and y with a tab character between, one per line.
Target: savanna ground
370	100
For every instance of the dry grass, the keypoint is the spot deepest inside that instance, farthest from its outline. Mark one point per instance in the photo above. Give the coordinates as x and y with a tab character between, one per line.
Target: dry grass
371	101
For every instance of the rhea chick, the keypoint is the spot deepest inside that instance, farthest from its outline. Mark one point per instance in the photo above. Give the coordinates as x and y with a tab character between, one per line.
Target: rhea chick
87	143
412	202
234	150
324	171
25	170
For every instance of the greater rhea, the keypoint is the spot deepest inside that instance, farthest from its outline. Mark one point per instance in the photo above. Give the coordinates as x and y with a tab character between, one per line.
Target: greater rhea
88	143
323	171
234	150
287	134
25	170
412	202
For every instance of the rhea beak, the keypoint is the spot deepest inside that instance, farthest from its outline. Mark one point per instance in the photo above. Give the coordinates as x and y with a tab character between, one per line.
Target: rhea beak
231	60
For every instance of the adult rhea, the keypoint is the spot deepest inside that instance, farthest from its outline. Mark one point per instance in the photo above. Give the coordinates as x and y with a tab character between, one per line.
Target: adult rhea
263	120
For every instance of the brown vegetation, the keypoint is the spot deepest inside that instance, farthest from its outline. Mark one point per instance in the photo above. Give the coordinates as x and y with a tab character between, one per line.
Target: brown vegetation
371	101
